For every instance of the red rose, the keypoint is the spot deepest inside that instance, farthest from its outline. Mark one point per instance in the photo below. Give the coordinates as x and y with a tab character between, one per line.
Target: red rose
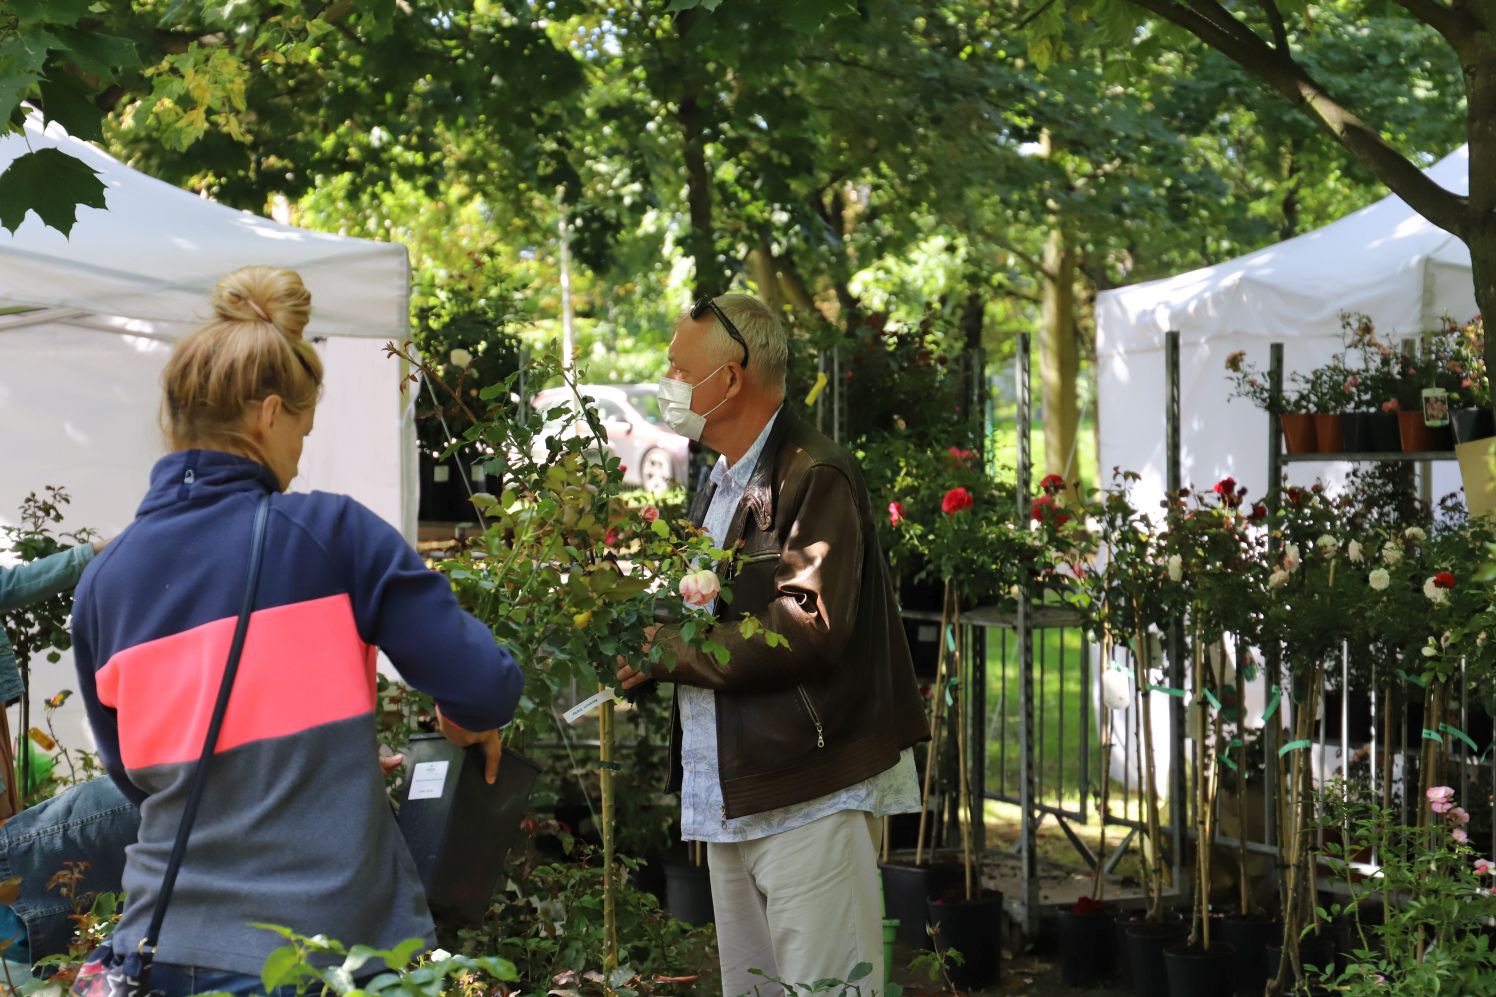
1259	513
960	456
1444	580
649	513
1052	483
1226	487
1086	905
612	538
1045	509
955	500
895	513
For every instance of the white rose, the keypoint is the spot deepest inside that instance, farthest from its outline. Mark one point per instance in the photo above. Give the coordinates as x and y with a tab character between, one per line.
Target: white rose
1435	594
1379	579
1415	534
1391	553
1354	552
460	358
1327	544
700	588
1291	557
1176	567
1116	689
1278	579
440	955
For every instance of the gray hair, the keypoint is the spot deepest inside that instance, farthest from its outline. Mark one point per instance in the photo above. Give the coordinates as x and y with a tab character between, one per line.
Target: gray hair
768	345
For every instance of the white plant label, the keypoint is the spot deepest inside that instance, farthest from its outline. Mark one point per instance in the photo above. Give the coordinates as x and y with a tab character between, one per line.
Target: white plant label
587	705
427	780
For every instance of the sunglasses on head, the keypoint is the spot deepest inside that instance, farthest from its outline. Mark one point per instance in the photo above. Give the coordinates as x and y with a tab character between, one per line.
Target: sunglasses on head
708	304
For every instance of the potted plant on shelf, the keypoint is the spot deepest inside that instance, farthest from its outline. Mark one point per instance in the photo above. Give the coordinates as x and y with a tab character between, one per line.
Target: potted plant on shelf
955	523
1327	393
1295	417
1370	424
1470	404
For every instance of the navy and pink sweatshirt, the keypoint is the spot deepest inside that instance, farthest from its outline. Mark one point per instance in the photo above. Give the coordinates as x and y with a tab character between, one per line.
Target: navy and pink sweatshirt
295	828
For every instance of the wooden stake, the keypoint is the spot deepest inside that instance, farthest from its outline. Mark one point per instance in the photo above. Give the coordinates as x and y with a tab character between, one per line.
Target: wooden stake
936	710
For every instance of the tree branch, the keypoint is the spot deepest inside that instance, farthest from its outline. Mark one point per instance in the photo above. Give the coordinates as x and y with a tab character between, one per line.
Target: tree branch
1455	25
1275	21
1278	70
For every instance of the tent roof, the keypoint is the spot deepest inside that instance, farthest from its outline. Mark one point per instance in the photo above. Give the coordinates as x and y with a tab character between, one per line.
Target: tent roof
149	262
1385	260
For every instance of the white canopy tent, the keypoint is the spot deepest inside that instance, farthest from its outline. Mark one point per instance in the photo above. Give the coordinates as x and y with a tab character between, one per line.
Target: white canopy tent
80	365
1385	260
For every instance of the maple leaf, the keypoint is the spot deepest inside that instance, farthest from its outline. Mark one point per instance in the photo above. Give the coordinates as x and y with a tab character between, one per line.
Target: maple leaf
51	183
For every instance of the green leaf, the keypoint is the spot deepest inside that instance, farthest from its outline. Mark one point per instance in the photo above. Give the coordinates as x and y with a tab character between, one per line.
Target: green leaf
21	60
32	12
280	967
97	53
51	183
859	971
66	101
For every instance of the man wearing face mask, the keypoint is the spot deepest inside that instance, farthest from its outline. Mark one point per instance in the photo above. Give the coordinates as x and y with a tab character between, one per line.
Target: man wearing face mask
788	758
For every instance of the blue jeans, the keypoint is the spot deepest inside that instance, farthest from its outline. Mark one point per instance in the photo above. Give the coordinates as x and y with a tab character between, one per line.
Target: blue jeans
92	822
182	981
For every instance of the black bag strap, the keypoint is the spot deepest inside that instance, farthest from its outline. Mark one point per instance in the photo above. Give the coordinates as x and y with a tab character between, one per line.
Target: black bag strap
215	727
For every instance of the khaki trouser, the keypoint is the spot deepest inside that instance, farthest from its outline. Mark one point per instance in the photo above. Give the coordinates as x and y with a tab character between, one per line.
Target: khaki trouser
801	906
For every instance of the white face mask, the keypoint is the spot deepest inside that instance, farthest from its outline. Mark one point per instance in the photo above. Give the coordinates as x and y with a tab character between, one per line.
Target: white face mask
675	405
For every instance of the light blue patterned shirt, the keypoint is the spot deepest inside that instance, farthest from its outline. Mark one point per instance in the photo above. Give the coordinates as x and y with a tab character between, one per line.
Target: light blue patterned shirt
703	812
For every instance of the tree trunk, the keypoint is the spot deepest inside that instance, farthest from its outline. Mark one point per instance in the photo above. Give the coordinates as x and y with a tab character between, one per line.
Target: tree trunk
765	272
1059	362
709	277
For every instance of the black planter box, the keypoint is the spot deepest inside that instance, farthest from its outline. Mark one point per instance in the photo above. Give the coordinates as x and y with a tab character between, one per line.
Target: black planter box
459	828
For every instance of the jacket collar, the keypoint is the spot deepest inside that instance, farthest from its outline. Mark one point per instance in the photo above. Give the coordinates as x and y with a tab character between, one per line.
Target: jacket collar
758	496
192	475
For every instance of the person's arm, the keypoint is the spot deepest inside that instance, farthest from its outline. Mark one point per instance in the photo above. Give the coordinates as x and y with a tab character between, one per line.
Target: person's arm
818	584
103	720
44	577
410	613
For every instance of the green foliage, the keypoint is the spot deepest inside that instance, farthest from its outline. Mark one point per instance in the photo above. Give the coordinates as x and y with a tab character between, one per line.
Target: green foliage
41	627
1431	937
303	963
51	183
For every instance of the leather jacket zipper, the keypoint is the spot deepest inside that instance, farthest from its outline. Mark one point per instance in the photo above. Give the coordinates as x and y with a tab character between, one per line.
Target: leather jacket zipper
815	717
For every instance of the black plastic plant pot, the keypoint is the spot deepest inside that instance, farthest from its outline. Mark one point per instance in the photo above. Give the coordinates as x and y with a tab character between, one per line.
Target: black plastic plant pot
907	889
1085	947
1121	923
1316	952
1145	955
1196	972
974	929
1386	437
459	828
688	892
1471	424
1355	432
1249	938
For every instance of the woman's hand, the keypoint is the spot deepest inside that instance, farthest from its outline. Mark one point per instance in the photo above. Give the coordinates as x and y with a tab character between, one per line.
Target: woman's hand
488	740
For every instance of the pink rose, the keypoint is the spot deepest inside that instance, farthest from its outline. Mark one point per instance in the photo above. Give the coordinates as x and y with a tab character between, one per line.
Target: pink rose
895	513
1459	816
1459	836
649	513
1483	867
1441	799
700	588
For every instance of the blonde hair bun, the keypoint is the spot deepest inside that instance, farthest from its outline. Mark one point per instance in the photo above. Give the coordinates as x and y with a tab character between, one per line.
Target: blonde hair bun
264	294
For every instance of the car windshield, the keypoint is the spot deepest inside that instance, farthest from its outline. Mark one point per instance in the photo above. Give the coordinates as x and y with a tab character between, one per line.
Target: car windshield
648	405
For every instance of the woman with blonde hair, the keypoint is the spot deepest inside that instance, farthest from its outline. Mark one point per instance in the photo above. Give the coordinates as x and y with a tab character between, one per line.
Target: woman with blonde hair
180	647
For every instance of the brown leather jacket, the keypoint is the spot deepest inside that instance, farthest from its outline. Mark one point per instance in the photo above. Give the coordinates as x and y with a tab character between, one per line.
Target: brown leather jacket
838	704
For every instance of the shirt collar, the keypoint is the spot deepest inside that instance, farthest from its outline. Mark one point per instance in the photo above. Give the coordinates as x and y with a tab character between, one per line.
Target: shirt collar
740	472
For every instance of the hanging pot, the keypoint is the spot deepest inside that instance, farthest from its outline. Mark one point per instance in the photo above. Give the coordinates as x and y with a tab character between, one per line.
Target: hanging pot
1471	424
1298	432
1085	942
1328	432
1419	438
1146	943
688	892
1195	972
1249	936
973	928
906	891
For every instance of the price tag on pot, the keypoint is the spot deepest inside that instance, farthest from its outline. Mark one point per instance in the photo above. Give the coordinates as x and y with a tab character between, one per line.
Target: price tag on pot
1435	407
587	705
427	781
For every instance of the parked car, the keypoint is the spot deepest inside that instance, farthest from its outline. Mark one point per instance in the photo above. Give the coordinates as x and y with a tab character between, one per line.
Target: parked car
654	458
